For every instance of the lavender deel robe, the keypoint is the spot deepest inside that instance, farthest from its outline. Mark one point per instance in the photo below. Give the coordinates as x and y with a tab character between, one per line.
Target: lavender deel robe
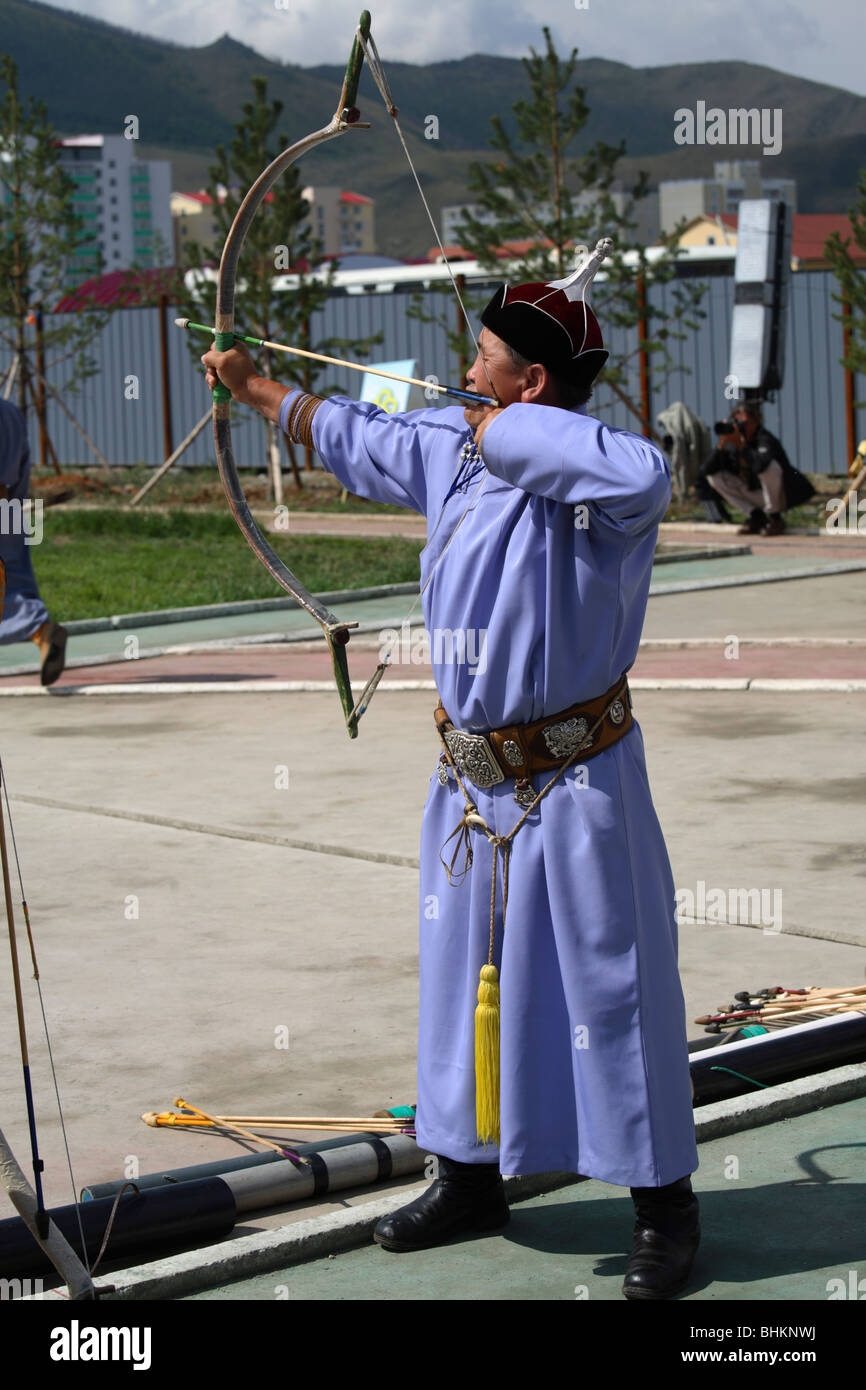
549	572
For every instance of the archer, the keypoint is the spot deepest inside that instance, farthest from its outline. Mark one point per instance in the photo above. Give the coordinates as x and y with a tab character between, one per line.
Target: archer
556	884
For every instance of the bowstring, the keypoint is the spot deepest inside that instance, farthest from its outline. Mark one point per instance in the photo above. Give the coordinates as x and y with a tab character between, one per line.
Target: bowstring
372	683
377	71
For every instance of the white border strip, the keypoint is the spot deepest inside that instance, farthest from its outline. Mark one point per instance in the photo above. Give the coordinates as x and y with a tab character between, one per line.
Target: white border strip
780	685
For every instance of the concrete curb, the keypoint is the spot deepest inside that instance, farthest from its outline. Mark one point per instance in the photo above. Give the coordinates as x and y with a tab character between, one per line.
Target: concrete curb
780	1102
268	1251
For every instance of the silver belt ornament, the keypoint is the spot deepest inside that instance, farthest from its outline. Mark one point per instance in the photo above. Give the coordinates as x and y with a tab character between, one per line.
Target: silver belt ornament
475	759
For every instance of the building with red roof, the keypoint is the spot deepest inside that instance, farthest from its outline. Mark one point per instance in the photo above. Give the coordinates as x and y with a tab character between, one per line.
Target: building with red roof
343	221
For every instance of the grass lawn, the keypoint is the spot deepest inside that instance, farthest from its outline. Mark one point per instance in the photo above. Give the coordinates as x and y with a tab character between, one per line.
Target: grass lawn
105	560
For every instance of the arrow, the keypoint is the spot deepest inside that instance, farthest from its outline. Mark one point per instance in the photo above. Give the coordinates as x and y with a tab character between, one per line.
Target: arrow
340	362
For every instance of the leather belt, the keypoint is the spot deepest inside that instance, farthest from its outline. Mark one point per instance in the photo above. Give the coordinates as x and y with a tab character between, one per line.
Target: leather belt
519	750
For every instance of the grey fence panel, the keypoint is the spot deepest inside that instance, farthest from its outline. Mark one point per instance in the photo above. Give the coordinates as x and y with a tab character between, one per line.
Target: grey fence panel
354	317
808	415
190	398
701	356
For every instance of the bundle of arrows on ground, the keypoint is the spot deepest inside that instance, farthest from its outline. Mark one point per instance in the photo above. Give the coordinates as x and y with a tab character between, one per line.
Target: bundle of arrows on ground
780	1006
190	1117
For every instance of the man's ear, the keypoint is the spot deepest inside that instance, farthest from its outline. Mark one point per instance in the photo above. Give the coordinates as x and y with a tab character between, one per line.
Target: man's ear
536	383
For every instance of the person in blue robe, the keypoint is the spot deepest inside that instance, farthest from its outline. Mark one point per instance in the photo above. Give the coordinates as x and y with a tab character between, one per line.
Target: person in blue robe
542	525
24	615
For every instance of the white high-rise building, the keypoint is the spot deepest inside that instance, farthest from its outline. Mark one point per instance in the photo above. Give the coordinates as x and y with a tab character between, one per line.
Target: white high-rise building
124	202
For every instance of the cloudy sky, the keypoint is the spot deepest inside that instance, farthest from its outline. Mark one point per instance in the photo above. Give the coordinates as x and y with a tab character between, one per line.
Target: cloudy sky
823	41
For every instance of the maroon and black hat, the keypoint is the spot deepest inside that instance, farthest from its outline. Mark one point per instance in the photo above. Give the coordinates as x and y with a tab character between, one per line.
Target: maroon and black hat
553	323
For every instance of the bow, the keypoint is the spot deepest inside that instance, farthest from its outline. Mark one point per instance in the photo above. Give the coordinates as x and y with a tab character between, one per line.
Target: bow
346	117
336	632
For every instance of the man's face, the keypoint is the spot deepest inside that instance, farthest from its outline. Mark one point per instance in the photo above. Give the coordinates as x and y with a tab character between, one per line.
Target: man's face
748	425
493	373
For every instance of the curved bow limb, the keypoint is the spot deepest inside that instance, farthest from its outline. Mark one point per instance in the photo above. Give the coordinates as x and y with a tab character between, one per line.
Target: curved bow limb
336	632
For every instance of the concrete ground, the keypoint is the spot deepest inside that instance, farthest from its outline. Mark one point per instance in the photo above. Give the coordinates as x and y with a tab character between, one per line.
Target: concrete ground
222	885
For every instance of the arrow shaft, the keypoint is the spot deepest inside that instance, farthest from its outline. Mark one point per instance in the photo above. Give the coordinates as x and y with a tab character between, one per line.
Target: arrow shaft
341	362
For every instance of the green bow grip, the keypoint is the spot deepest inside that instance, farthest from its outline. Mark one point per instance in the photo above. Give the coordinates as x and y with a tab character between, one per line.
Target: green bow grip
222	343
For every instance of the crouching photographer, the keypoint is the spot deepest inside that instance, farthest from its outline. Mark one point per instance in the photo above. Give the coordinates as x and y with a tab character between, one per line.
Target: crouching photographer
750	470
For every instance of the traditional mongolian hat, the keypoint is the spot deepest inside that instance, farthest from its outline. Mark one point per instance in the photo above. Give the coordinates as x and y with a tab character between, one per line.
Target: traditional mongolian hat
552	323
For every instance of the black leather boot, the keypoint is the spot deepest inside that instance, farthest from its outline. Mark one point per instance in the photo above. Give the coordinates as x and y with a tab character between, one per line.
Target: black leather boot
754	524
666	1237
464	1197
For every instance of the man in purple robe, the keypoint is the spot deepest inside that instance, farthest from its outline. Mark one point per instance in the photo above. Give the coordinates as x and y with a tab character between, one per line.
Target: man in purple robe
534	581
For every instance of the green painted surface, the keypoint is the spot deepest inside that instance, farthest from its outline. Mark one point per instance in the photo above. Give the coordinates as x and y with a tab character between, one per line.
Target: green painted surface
782	1215
114	643
727	567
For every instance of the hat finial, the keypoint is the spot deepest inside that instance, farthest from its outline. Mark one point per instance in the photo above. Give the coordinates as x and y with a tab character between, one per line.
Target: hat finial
576	285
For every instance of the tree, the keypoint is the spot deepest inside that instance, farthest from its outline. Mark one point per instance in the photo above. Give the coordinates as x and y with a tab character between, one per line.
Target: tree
539	201
280	241
851	276
40	232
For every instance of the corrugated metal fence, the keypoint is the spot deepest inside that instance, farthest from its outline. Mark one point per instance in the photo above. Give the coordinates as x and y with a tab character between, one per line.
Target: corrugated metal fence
125	418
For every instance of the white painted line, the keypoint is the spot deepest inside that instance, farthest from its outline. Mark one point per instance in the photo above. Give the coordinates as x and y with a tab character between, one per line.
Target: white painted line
673	643
689	683
780	684
241	687
783	685
801	686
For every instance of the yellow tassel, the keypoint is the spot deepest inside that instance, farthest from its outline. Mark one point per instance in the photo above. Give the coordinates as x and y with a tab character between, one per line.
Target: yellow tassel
487	1056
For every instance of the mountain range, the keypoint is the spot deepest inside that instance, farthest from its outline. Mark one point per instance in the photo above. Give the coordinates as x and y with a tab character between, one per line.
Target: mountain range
91	75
